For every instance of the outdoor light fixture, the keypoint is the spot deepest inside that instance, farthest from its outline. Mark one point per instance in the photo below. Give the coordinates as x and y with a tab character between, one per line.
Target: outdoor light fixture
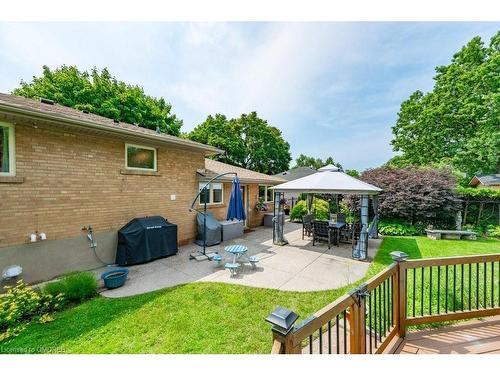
282	320
43	236
398	256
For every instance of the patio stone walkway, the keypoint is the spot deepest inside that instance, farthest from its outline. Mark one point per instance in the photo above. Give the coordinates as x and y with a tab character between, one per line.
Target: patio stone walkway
298	266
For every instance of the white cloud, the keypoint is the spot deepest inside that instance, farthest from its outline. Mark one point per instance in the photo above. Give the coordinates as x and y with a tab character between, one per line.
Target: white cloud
332	88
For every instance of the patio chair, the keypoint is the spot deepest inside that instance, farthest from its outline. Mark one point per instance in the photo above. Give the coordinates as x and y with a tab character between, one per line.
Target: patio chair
321	232
340	218
307	226
350	232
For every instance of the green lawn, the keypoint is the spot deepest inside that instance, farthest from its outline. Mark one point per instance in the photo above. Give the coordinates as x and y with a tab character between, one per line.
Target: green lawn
201	317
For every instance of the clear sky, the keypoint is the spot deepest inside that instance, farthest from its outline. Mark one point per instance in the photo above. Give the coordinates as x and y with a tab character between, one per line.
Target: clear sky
332	88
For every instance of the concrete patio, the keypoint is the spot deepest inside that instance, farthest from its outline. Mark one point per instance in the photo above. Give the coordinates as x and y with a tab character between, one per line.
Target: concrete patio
299	266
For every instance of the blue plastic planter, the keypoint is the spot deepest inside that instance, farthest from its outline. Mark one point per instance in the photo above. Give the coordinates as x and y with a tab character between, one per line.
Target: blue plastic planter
114	278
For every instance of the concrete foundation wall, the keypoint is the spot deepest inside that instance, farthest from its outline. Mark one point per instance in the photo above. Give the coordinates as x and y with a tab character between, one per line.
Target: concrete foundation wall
45	260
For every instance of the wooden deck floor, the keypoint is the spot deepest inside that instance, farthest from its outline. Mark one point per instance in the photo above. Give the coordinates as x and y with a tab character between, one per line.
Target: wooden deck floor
472	337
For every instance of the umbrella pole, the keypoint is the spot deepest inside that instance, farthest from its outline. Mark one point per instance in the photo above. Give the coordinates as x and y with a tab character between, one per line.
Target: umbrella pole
205	221
202	255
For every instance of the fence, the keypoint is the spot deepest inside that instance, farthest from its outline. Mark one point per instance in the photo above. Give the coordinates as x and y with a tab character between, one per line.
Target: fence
407	293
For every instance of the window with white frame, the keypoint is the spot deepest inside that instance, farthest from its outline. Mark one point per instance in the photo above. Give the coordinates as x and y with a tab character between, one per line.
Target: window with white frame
7	154
140	157
214	193
266	193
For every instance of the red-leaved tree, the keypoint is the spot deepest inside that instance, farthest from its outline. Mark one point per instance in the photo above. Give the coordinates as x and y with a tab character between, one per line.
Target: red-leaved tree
415	194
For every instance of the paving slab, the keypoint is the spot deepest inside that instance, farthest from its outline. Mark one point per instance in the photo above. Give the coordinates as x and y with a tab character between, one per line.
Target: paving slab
298	266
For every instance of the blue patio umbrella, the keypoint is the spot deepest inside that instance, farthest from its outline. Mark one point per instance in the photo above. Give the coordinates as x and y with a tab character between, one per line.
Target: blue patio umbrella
235	209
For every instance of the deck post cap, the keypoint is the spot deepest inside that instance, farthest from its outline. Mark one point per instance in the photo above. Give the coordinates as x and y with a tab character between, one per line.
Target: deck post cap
398	256
282	320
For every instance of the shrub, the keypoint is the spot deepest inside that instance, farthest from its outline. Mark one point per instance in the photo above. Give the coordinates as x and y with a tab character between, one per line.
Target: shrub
21	304
76	286
397	228
415	194
493	231
320	209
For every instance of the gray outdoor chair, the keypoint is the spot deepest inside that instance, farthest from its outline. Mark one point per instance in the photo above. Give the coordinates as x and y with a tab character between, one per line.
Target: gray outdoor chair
307	225
350	233
321	232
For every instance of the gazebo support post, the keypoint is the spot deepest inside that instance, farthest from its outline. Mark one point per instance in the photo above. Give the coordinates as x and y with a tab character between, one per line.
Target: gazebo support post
279	220
373	233
361	250
309	198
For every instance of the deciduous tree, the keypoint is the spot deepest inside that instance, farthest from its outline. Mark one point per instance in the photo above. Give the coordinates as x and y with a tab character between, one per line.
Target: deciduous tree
316	163
415	194
458	122
248	141
102	94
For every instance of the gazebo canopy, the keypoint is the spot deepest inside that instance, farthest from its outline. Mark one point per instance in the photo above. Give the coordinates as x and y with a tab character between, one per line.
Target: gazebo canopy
328	180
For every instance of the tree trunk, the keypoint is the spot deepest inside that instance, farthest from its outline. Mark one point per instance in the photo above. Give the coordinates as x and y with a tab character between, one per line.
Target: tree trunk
464	220
481	205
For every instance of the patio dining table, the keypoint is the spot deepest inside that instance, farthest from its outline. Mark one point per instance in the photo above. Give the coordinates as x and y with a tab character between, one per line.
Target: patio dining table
336	227
236	250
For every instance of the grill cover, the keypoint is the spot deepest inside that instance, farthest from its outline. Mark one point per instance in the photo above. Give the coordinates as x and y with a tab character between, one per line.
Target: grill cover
144	239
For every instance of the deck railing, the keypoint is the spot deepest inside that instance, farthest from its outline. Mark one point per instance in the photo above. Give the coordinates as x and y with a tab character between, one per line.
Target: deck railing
407	293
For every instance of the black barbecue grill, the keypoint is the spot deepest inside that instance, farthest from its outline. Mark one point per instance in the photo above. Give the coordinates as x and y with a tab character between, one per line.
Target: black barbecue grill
144	239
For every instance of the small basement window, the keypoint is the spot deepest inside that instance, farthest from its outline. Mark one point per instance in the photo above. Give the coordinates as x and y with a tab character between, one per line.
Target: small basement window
140	157
215	193
7	154
266	193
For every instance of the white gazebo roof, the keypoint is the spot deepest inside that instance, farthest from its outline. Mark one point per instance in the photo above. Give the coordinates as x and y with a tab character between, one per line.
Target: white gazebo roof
328	180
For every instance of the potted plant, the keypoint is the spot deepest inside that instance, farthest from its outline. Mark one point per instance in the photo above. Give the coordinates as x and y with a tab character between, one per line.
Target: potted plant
286	206
261	205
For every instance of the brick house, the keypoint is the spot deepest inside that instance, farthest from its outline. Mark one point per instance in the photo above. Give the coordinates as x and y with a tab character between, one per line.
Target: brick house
62	169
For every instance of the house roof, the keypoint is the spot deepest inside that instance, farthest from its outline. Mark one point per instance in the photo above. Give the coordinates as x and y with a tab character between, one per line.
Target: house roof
31	108
331	181
214	167
486	180
296	173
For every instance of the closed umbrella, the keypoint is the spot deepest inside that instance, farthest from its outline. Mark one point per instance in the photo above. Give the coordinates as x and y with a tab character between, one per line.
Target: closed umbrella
236	209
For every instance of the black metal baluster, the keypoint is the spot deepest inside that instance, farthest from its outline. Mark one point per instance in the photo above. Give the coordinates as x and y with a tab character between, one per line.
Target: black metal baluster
470	286
370	318
492	285
364	323
446	290
422	294
383	309
391	308
477	286
406	291
320	340
338	333
387	299
379	315
454	287
310	344
430	290
329	337
375	314
462	287
484	291
345	333
414	283
439	289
